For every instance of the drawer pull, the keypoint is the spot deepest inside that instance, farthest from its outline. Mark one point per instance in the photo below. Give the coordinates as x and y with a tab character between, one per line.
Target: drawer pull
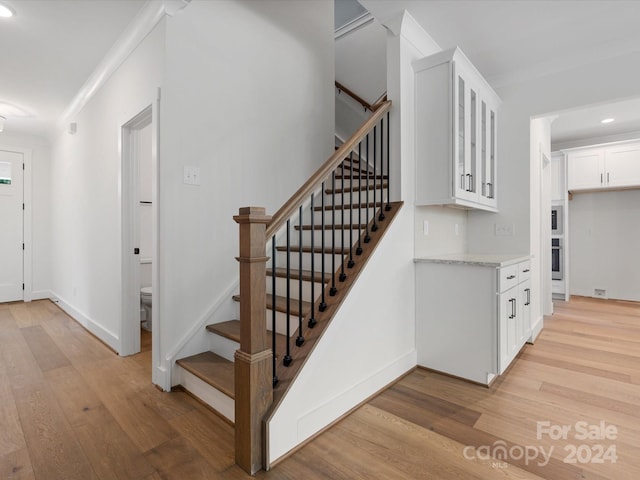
511	277
526	270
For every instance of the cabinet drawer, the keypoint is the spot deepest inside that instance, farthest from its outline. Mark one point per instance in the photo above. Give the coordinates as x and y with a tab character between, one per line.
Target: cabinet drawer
508	277
524	271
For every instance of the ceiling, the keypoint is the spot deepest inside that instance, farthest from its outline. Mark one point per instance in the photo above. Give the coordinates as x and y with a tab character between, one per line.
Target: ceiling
510	41
55	46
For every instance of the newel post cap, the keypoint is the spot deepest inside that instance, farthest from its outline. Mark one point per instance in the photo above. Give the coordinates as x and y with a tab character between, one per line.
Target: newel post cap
252	215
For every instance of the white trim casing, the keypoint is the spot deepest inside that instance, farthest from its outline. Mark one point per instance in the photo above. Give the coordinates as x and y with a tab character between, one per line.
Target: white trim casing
27	254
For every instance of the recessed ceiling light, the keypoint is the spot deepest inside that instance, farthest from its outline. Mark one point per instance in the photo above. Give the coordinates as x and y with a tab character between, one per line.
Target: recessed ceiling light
607	120
6	12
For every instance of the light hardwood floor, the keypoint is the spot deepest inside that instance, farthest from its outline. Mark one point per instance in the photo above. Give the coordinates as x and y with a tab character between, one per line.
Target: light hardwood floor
72	409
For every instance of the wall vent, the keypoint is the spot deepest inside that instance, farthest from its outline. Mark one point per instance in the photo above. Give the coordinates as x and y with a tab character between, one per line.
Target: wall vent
600	292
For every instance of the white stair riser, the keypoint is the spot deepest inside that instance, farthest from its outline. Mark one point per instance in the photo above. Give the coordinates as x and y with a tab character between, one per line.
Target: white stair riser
341	216
329	239
354	198
281	322
306	261
213	397
294	286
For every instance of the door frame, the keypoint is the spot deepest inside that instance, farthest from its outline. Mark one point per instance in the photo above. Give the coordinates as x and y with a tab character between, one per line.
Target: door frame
130	324
27	255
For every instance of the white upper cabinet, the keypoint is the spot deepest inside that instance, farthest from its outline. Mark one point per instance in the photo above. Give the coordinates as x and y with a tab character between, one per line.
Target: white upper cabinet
609	167
456	133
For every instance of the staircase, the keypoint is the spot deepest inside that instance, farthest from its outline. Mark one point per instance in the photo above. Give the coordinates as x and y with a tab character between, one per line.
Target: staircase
316	246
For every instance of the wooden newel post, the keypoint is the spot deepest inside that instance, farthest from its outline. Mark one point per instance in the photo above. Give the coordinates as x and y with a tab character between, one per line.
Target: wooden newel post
253	375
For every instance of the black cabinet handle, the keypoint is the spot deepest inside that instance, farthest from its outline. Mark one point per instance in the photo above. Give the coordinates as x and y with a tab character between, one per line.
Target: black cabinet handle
526	270
511	277
528	290
512	302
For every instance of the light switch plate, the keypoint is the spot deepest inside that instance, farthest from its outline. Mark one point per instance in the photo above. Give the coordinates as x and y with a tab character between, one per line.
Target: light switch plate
191	175
425	227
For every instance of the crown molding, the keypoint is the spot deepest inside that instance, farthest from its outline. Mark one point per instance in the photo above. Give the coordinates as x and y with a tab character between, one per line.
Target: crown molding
145	21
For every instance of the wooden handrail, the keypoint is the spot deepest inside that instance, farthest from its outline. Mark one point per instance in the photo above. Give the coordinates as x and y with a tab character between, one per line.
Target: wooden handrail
379	101
371	107
290	207
354	95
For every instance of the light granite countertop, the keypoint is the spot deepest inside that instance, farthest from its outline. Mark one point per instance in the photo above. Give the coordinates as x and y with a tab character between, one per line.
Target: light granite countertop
483	260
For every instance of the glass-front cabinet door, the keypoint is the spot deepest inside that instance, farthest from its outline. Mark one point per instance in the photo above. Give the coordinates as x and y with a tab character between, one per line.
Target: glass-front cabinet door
466	147
487	156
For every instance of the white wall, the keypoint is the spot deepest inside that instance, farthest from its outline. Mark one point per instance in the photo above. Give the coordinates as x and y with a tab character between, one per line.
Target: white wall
369	342
604	237
361	66
85	193
40	208
361	61
446	231
248	98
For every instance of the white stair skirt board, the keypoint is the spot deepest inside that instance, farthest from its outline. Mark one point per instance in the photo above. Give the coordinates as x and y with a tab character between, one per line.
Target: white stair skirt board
213	397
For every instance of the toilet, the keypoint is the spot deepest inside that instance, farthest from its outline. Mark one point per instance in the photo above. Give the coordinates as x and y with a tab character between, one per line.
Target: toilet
145	300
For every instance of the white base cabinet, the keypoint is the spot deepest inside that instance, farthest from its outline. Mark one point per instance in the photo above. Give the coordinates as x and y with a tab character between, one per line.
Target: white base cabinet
472	318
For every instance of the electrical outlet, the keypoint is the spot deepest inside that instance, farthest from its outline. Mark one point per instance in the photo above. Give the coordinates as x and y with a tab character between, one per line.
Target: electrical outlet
425	227
600	292
456	229
504	229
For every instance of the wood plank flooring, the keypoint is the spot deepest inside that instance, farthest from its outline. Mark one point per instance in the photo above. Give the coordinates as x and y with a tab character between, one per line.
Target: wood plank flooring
71	409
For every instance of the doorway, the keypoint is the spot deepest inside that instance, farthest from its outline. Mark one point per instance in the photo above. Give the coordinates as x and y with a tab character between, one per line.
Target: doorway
139	327
15	231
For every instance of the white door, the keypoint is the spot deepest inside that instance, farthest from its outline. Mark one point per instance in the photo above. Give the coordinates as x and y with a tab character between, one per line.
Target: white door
11	226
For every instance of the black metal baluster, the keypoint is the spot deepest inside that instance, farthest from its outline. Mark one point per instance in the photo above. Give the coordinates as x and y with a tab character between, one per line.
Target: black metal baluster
359	249
351	262
273	311
381	216
343	276
388	207
374	227
333	289
367	237
287	358
323	304
312	319
300	338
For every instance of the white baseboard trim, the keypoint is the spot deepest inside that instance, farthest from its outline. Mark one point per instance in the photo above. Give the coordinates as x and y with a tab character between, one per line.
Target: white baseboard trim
536	328
41	295
213	397
110	338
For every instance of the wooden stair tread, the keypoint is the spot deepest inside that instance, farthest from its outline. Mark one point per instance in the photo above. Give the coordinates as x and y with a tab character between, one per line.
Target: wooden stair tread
339	251
295	274
362	176
281	305
347	206
353	169
347	226
231	330
212	369
355	188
